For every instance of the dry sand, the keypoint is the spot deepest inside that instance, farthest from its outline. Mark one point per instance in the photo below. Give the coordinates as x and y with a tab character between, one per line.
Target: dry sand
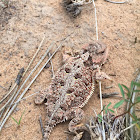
22	28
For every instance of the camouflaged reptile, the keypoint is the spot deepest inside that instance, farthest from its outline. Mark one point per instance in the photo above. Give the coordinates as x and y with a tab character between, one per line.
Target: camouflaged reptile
71	88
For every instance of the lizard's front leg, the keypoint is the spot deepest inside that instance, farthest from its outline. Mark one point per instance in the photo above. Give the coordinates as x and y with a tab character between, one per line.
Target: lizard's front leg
40	98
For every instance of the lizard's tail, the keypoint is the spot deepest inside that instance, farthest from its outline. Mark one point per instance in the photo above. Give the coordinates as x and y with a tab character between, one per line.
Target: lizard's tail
47	131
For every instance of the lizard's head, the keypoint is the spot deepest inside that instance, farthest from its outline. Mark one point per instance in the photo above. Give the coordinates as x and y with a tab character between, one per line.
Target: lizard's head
94	54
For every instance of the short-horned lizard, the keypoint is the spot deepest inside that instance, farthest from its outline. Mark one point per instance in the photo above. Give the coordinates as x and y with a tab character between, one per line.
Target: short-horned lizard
71	88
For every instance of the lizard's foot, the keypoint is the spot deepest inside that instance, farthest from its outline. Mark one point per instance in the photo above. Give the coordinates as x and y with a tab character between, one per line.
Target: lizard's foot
39	99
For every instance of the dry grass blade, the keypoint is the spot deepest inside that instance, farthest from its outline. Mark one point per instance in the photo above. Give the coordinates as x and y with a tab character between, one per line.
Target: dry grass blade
41	125
17	82
115	2
9	106
34	55
95	19
113	129
122	131
26	97
26	89
6	104
8	93
3	87
32	70
1	113
19	77
108	95
49	54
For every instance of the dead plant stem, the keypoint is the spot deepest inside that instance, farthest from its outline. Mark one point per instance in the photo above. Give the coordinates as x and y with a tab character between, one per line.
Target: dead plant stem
117	136
95	19
26	89
49	54
8	93
3	87
4	106
115	2
34	56
16	83
8	107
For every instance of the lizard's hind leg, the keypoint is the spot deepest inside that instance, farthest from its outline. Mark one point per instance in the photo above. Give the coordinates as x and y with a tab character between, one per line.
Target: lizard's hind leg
76	114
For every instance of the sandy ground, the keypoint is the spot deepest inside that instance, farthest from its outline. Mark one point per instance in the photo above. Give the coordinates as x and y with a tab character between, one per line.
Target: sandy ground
22	28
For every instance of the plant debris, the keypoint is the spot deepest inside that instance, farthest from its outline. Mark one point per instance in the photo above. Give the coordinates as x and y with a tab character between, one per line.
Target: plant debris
73	9
112	128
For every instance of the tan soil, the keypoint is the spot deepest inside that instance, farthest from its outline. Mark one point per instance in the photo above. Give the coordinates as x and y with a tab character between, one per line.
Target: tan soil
22	31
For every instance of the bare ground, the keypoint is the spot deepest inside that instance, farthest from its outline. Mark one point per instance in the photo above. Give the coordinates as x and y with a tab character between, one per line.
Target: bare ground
23	26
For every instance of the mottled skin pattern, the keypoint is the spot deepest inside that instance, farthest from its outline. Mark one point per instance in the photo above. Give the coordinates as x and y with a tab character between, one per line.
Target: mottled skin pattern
71	88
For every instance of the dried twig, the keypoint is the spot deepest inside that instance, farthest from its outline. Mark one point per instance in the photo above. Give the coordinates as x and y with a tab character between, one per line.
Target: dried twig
19	78
8	107
26	89
34	55
41	125
34	69
99	69
1	113
17	82
5	105
22	99
3	87
115	2
49	54
95	19
108	95
30	65
109	87
8	93
113	128
122	131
